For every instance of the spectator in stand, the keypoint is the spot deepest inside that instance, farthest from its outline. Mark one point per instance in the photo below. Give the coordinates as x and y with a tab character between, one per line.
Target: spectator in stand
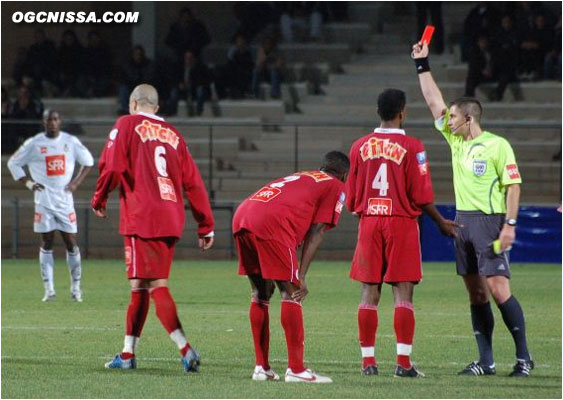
194	82
136	70
187	33
552	64
432	9
505	49
534	46
6	103
302	20
21	69
253	17
70	64
26	105
480	66
42	63
269	63
97	66
239	68
481	20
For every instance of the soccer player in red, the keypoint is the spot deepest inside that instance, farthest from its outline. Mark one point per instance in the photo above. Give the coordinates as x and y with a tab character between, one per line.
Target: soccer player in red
388	187
268	228
150	162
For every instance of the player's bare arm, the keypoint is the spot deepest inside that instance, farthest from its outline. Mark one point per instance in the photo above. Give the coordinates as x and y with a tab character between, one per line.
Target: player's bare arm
77	181
312	242
508	232
446	226
31	185
429	88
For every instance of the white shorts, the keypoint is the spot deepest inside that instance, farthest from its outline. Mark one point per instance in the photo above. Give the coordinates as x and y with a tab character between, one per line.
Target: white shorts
48	220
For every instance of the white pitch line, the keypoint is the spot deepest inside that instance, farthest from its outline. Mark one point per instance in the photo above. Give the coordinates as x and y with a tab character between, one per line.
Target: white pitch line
243	360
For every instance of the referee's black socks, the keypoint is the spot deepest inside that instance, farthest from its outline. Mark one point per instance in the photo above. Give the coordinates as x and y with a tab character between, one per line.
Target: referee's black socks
483	324
513	317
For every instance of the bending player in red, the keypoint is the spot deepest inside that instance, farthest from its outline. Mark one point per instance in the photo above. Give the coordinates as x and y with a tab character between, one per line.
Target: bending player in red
149	160
268	227
388	187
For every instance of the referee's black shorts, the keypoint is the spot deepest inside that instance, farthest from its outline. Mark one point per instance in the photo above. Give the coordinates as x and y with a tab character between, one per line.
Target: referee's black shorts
473	246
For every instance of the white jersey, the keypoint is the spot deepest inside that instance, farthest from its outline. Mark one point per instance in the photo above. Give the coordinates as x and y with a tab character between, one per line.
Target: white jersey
51	163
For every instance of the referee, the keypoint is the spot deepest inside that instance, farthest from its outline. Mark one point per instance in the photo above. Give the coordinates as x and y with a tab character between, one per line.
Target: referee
487	194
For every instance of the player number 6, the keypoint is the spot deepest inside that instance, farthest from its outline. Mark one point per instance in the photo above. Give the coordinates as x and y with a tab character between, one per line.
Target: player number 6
160	161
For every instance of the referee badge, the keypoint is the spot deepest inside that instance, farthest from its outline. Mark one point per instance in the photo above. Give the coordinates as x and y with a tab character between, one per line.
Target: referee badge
479	167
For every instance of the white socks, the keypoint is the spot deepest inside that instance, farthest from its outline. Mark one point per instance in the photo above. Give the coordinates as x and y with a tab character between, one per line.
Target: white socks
47	262
74	268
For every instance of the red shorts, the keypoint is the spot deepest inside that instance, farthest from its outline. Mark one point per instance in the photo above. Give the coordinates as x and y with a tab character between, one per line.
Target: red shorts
268	258
388	250
148	258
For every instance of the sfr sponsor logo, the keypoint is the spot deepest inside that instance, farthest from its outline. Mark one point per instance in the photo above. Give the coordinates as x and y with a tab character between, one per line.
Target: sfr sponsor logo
55	165
266	194
513	172
379	206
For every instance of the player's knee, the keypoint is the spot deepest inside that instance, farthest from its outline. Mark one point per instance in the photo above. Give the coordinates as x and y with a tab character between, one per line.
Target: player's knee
47	243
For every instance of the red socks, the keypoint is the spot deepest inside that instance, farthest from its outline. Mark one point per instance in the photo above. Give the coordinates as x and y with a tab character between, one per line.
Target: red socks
137	312
404	331
292	323
260	326
166	309
367	327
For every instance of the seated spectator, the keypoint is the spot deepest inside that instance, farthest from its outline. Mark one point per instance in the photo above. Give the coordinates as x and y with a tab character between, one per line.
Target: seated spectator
534	46
269	63
70	64
506	48
302	20
42	62
483	19
194	80
26	106
552	64
6	104
239	68
136	70
187	34
97	66
480	66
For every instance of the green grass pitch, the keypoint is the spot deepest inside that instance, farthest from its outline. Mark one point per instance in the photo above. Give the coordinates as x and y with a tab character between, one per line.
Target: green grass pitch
58	349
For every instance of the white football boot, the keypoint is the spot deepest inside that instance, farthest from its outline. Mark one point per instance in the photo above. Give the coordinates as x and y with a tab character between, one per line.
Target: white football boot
261	374
306	376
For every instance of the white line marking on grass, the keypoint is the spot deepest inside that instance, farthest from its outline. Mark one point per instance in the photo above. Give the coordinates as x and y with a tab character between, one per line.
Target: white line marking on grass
244	360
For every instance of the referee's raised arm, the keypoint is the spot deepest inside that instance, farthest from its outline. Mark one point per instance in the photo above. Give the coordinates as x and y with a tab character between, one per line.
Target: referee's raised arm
430	90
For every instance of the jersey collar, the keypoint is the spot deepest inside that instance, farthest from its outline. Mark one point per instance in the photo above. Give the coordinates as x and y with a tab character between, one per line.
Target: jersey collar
391	131
151	116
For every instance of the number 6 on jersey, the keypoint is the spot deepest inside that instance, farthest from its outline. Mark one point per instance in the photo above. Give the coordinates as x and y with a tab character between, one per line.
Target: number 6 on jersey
380	181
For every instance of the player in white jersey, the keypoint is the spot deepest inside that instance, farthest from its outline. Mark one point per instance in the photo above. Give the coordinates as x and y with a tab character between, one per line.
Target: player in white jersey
50	157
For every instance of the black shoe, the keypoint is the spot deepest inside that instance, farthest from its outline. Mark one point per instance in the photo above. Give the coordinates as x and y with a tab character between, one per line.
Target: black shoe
408	373
522	369
477	369
370	370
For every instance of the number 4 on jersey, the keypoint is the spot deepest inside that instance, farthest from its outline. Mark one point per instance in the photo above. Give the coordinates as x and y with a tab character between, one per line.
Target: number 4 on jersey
380	181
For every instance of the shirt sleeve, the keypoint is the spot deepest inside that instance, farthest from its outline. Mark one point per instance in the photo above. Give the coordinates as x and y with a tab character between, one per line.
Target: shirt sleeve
19	159
82	154
441	124
351	180
506	167
196	194
419	184
330	205
112	164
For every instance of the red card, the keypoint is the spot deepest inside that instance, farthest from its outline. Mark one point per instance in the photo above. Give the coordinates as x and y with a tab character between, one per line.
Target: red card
427	34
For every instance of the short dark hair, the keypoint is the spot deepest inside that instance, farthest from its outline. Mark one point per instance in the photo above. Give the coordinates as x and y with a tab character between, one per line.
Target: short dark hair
336	162
469	106
390	103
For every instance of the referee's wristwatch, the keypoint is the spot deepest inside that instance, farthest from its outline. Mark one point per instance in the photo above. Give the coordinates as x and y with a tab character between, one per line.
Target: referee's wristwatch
510	222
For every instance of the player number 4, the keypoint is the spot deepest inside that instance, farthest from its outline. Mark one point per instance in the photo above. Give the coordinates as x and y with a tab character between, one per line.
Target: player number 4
380	181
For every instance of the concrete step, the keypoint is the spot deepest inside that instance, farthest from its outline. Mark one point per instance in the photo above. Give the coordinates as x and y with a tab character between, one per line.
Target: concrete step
353	33
332	53
417	110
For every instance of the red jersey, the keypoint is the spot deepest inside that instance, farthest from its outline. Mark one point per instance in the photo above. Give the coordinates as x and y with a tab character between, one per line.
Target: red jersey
150	161
285	209
389	175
